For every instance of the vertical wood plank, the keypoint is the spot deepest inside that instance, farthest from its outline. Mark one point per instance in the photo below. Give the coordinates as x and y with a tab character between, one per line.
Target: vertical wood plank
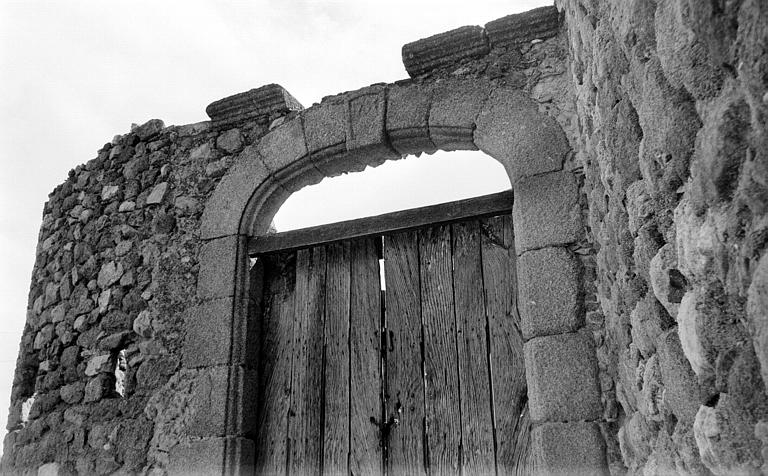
522	456
305	415
443	411
275	363
337	308
404	371
366	455
506	342
478	456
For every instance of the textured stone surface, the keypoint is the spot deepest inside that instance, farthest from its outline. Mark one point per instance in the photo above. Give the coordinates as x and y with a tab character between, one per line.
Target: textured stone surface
549	288
546	211
511	129
561	372
568	448
444	49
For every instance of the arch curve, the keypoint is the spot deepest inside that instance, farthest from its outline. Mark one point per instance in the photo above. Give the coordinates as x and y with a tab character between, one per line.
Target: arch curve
348	132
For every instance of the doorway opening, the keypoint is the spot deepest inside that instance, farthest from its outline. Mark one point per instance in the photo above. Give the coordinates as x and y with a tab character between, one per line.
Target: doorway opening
421	373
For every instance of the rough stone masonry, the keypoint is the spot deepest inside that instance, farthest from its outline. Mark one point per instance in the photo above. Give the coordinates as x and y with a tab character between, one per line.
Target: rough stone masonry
635	136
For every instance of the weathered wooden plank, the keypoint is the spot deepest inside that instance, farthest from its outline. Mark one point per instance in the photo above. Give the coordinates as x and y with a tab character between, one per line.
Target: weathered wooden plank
305	416
275	363
443	409
488	205
506	342
478	456
336	399
404	370
522	456
366	452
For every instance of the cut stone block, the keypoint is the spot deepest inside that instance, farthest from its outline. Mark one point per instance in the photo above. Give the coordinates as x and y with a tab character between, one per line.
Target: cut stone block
218	262
455	105
367	142
223	402
284	152
444	49
283	145
568	449
407	119
209	333
549	292
212	456
539	23
561	372
511	129
224	209
546	211
258	105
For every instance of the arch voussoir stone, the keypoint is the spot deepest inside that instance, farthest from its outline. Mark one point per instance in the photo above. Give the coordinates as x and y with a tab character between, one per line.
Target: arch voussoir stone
453	111
224	209
407	118
511	129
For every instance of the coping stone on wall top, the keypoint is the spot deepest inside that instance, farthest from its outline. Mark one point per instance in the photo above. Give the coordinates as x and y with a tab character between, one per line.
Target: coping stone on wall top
444	49
255	104
519	28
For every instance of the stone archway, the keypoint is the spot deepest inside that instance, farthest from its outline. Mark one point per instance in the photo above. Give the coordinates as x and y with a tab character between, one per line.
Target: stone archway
345	133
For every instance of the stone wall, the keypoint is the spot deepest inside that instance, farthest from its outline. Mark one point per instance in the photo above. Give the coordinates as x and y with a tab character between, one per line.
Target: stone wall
116	270
642	237
672	102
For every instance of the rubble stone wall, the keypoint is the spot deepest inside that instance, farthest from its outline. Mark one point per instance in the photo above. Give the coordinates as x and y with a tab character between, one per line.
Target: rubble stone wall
672	103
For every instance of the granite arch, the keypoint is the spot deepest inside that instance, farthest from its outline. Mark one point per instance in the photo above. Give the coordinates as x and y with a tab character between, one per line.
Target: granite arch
346	133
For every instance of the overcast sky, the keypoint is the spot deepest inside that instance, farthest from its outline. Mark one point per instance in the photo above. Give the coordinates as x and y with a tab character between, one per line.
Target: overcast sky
74	74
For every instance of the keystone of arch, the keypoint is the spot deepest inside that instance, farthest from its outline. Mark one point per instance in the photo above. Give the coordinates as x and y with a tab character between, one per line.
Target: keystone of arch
347	132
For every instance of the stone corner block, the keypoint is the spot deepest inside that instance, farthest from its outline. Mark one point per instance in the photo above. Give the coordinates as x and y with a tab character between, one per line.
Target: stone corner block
224	209
222	403
212	456
549	292
408	118
546	211
517	29
455	106
444	49
568	448
561	372
511	129
219	257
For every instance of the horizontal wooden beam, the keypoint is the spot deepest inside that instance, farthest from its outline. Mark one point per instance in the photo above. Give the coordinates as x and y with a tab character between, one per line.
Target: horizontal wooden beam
479	207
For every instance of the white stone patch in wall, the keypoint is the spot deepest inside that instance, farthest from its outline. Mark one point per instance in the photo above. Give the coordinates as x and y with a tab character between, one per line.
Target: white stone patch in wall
120	368
26	407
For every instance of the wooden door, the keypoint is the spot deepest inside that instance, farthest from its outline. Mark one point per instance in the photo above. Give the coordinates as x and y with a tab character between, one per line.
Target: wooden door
393	353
